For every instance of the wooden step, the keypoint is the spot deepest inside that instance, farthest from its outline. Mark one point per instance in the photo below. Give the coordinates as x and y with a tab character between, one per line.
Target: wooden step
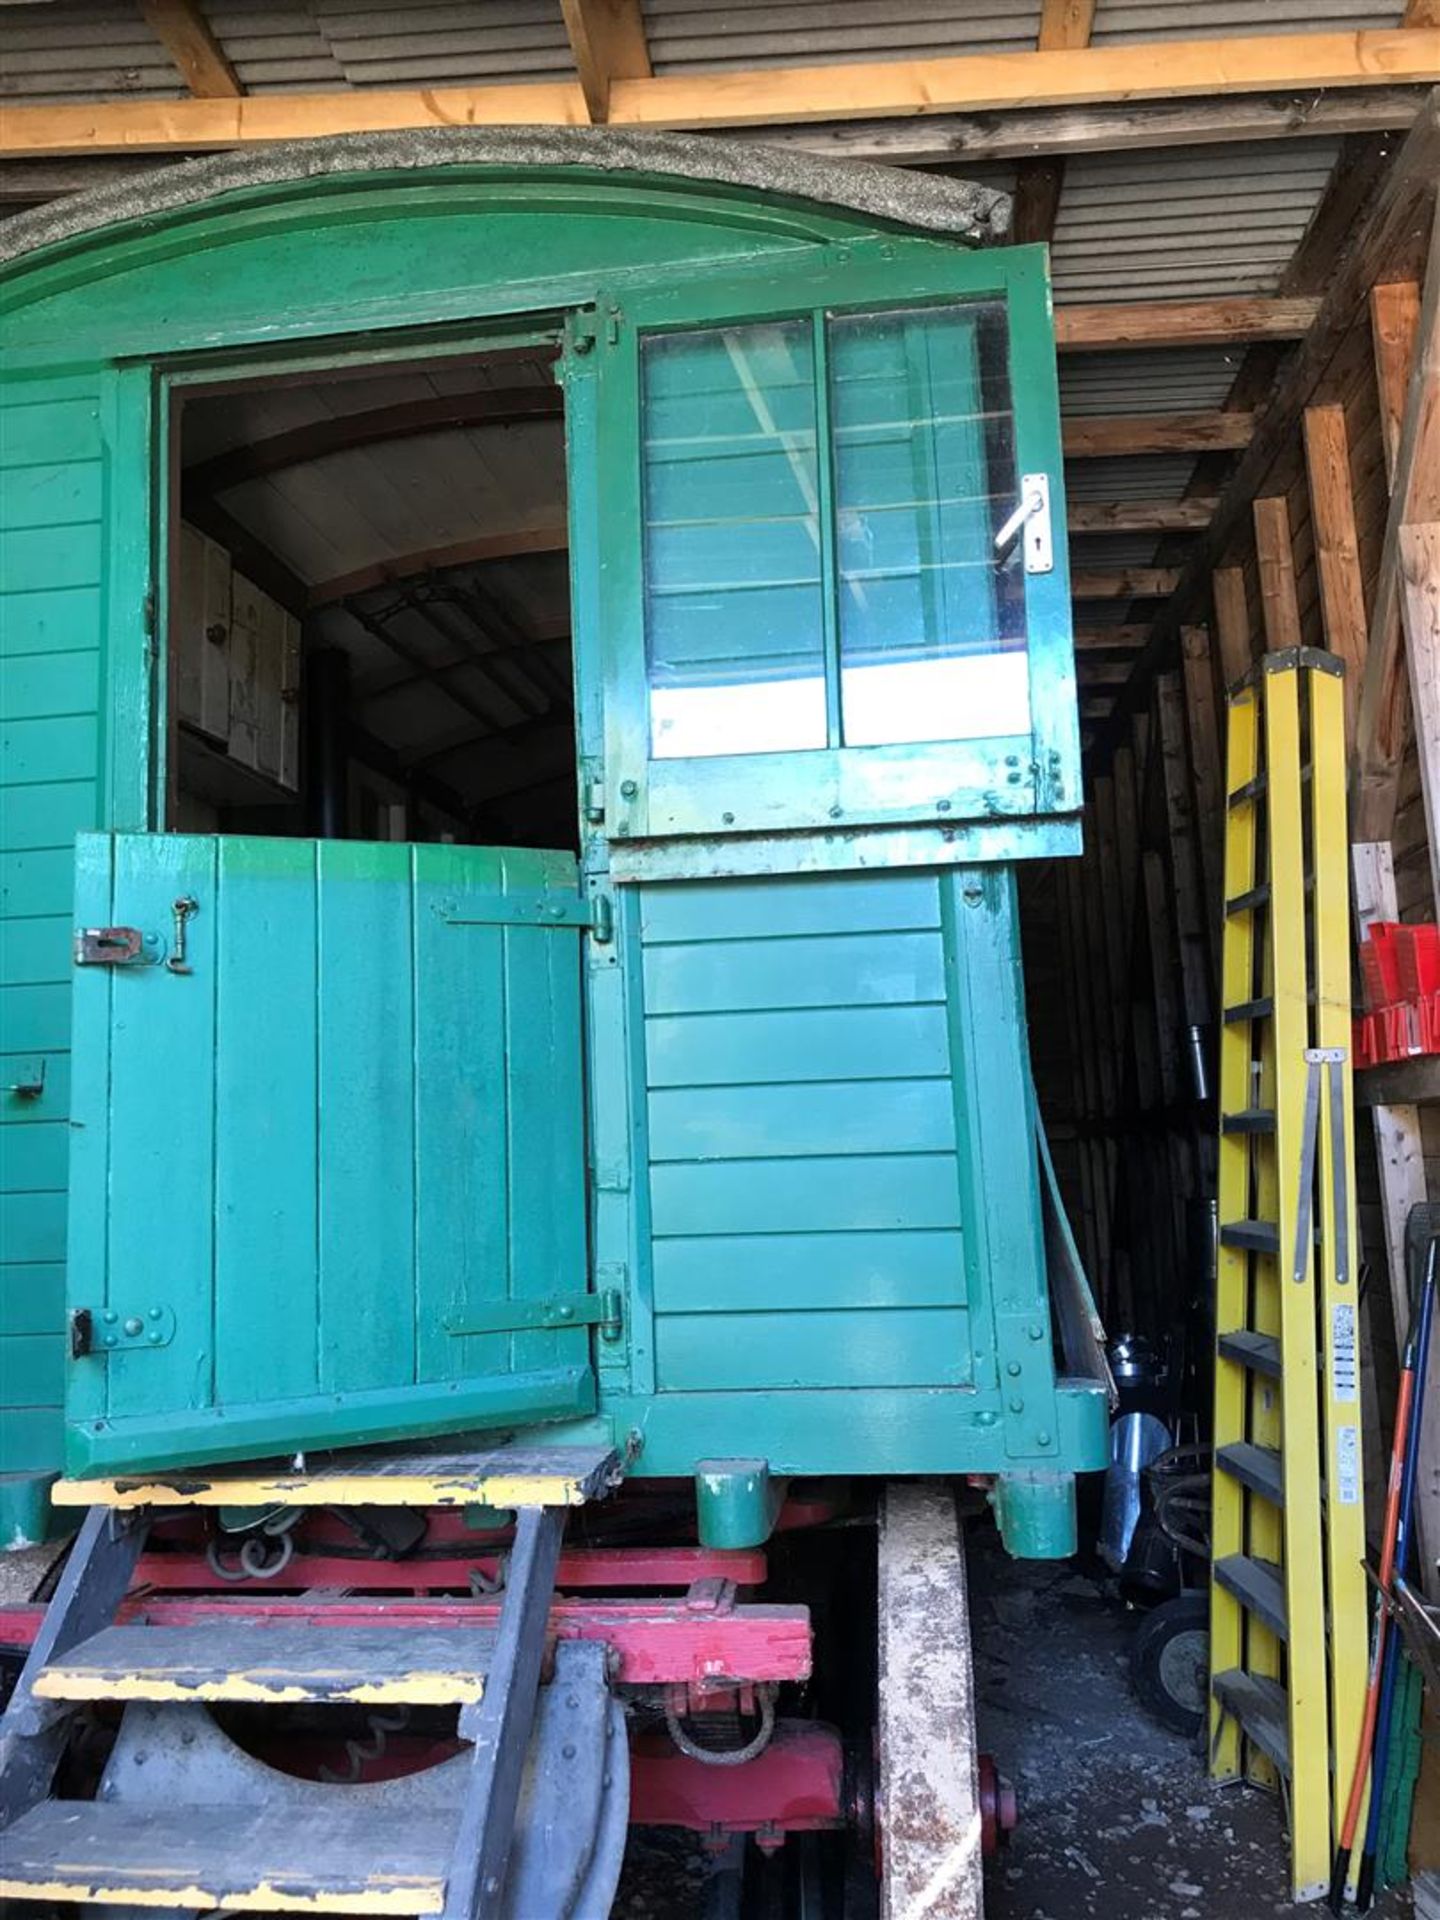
1253	1236
1260	1352
246	1859
1258	1468
507	1476
375	1666
1259	1587
1259	1705
1249	1120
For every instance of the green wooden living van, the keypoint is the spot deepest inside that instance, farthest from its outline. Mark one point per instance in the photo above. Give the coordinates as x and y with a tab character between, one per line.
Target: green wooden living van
710	1131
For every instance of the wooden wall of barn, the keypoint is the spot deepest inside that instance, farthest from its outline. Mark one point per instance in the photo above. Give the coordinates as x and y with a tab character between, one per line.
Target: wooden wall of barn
1123	946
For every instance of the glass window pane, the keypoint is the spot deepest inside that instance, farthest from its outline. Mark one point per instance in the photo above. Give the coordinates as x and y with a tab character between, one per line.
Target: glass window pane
932	621
733	619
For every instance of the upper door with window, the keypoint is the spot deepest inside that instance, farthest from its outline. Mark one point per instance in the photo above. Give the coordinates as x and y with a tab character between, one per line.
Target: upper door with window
833	584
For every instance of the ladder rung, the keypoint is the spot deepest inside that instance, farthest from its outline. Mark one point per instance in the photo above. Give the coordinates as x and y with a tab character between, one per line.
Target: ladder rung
1260	1352
1255	1236
1260	1009
1259	1704
1248	901
1258	1586
1251	790
1249	1120
1258	1468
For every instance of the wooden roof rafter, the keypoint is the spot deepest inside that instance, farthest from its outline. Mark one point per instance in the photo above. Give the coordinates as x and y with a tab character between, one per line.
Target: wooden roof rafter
607	38
349	432
1064	25
1399	218
184	32
1191	69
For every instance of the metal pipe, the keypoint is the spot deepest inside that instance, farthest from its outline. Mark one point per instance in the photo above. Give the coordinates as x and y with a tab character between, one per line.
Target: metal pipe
327	723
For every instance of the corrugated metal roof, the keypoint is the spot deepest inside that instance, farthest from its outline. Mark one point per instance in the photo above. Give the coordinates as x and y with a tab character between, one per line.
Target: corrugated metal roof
698	36
454	43
1153	381
274	48
1182	19
1148	476
1190	223
85	49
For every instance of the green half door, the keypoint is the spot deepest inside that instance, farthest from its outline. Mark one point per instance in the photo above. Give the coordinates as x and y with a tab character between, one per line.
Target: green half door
327	1176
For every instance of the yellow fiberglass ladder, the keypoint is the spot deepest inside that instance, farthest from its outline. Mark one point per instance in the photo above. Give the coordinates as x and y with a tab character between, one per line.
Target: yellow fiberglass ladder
1288	1598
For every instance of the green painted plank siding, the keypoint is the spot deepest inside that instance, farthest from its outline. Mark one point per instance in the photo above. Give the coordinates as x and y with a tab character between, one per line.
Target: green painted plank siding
52	491
804	1164
359	1115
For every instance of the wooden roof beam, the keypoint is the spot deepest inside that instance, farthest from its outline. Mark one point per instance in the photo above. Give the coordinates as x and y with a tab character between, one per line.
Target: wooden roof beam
953	139
547	537
184	32
1123	583
1038	182
607	38
1386	246
1100	436
1151	70
1110	639
343	433
1120	325
1140	516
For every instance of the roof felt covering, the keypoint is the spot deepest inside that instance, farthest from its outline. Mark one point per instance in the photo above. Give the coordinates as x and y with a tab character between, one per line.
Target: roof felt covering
958	208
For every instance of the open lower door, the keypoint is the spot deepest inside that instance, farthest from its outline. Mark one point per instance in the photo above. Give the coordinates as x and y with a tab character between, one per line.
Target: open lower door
327	1180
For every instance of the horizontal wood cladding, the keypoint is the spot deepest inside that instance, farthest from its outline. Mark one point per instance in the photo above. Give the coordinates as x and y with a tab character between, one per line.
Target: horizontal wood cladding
52	481
806	1172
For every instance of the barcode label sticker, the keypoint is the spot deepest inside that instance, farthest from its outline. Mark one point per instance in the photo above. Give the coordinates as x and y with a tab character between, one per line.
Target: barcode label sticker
1347	1459
1343	1364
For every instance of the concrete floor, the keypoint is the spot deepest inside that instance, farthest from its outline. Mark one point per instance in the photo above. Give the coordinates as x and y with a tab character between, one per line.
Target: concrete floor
1117	1818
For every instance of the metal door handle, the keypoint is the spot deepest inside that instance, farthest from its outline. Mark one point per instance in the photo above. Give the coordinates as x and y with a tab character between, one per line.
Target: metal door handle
1033	505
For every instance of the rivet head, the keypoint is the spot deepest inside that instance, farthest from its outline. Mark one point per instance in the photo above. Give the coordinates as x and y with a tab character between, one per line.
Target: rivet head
942	806
628	789
1042	1439
566	1313
110	1340
154	1313
567	1752
1035	1331
1017	1406
111	1317
1013	1369
727	819
134	1326
157	1339
836	812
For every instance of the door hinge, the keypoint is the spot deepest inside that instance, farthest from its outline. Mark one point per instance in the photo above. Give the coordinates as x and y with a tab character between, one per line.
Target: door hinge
560	1310
580	330
102	1330
532	907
